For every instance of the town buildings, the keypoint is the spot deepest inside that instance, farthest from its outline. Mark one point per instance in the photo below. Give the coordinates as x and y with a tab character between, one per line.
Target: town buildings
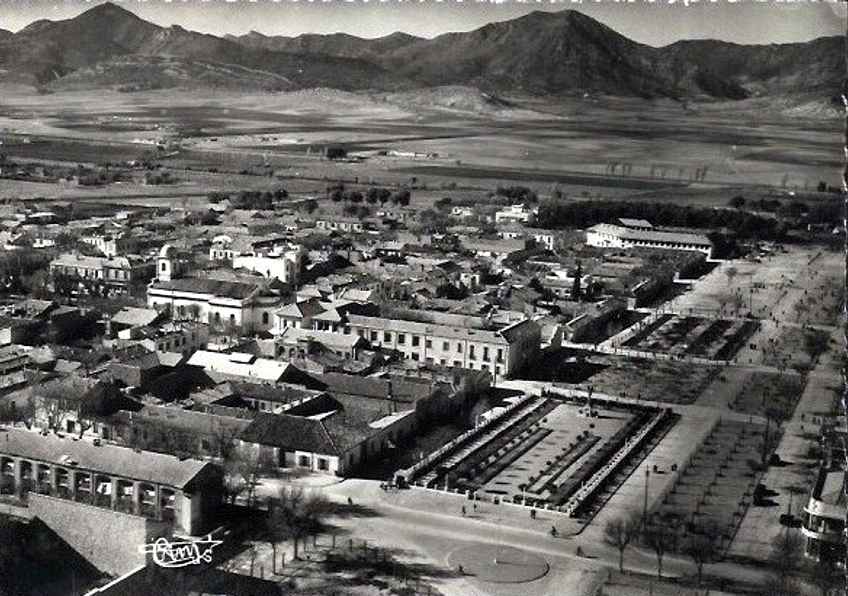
115	274
516	214
502	351
183	492
823	517
643	236
281	263
231	304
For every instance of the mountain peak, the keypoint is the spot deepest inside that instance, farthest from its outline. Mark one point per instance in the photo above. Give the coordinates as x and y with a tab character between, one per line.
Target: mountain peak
108	9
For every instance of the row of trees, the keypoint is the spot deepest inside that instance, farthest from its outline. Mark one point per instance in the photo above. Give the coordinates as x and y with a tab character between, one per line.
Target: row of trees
338	193
517	194
702	544
703	547
582	214
262	200
816	212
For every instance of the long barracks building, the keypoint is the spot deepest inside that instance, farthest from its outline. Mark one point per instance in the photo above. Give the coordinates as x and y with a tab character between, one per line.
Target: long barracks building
502	351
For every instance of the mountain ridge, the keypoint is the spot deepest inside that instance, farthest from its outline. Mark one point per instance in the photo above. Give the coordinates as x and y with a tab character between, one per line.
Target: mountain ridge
540	53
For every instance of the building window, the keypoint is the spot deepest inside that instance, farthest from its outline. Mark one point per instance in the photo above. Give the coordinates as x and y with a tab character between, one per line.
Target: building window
303	461
500	354
387	336
486	354
164	266
264	318
232	319
457	363
323	464
415	341
401	338
445	346
428	344
471	355
414	356
459	348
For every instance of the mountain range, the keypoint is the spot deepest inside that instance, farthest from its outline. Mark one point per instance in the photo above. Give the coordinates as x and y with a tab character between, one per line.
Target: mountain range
539	54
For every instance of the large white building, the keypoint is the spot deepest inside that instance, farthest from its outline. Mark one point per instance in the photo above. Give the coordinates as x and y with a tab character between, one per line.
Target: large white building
271	257
246	305
516	214
281	263
502	351
619	236
115	274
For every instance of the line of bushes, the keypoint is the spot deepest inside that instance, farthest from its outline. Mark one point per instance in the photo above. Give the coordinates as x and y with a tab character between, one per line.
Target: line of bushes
566	459
495	444
600	457
501	464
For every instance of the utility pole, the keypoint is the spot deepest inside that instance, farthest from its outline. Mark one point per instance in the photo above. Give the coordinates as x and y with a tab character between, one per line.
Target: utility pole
645	504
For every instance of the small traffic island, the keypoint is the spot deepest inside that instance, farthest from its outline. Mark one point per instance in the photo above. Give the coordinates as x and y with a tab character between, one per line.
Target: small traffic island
498	564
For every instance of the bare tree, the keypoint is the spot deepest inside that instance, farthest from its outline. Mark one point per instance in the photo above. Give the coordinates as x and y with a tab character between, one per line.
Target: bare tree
241	473
658	537
787	553
295	514
826	576
619	532
703	548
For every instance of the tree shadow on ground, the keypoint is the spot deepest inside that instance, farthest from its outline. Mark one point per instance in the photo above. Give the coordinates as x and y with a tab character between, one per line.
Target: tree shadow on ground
369	563
349	510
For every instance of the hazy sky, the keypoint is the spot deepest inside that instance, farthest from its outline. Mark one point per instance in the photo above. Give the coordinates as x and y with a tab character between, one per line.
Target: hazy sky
655	22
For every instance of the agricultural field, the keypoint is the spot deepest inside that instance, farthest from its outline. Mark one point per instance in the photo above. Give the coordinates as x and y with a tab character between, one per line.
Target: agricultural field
578	146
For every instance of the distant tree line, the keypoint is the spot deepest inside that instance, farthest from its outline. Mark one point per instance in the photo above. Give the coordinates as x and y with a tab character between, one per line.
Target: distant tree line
156	178
262	200
517	194
817	211
583	214
339	193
